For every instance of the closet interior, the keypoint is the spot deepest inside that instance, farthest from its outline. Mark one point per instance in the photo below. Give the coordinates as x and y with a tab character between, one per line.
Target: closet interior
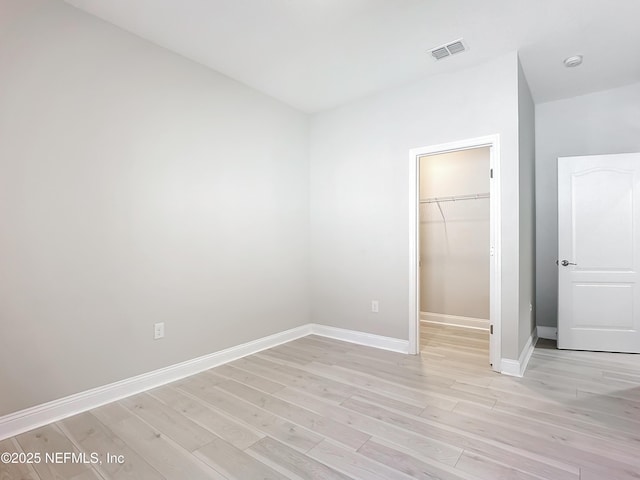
454	243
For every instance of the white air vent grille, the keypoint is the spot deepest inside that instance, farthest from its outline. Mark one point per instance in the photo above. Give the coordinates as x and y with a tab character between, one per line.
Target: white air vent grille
439	53
456	47
448	49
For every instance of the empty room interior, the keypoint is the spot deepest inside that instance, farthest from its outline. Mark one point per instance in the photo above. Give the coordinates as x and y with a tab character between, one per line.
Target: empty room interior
338	239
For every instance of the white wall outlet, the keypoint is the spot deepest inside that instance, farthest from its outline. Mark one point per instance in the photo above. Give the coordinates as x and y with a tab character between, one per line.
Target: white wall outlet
375	307
158	330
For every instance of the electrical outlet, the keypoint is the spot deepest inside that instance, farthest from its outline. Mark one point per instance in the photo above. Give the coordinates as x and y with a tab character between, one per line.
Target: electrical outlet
158	330
375	307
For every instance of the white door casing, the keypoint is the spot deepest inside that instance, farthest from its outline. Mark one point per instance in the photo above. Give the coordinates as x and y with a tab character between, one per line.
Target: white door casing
599	253
492	141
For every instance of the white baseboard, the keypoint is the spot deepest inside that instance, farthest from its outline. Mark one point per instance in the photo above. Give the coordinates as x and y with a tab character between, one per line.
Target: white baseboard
34	417
361	338
455	320
516	368
550	333
46	413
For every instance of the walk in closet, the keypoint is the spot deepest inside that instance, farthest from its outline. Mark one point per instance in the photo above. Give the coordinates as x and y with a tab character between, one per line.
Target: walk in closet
454	243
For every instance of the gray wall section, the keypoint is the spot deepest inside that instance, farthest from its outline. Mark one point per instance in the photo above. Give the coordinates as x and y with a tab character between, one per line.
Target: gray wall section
599	123
526	146
136	187
360	192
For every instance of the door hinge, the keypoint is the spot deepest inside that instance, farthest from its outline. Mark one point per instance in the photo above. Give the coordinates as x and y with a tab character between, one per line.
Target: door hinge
491	173
491	329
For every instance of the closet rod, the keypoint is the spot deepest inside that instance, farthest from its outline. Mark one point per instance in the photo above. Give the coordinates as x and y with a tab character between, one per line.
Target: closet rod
455	198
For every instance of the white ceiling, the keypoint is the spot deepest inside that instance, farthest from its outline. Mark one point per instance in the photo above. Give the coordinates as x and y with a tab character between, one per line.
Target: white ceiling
318	54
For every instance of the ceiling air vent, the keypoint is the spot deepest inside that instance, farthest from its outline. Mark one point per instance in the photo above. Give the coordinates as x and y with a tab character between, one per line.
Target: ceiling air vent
448	49
439	53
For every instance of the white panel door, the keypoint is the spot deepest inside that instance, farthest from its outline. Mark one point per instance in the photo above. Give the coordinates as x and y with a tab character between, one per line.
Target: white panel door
599	253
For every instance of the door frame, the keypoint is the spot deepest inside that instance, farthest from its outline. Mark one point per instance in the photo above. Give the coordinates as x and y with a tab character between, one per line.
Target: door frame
493	142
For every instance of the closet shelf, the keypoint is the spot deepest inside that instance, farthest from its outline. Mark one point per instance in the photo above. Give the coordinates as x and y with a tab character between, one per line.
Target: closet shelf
454	198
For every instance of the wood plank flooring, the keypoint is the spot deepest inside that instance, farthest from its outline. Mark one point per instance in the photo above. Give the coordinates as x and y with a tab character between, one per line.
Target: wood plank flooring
317	408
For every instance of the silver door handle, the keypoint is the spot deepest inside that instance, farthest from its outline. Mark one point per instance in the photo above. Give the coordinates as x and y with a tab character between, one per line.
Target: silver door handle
565	263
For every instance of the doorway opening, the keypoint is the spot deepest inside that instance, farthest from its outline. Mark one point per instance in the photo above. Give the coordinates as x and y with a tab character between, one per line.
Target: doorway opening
455	249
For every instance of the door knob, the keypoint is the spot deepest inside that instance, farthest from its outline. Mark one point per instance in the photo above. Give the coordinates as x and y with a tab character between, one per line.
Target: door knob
566	263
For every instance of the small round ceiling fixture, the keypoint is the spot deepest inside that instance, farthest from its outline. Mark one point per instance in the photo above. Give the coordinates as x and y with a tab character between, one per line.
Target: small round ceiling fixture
573	61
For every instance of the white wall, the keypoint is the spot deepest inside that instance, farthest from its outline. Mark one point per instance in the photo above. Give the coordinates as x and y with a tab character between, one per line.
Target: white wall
454	236
136	187
598	123
527	240
360	188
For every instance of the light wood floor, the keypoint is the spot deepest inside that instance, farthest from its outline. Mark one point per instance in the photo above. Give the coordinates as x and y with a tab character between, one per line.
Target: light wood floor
322	409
